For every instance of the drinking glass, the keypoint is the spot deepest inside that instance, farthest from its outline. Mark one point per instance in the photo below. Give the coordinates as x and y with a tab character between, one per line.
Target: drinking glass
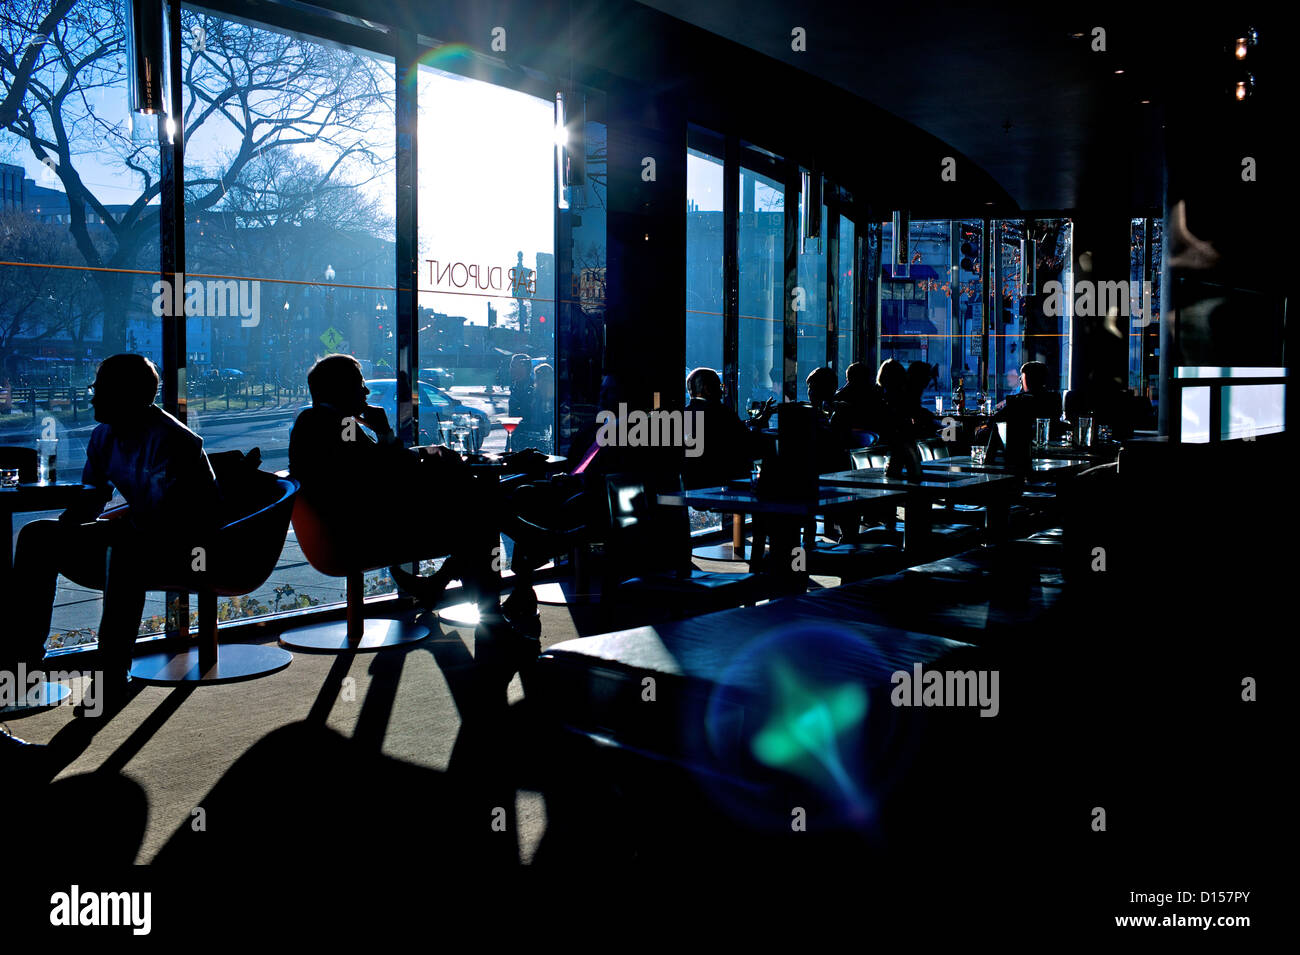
8	477
1042	430
977	455
473	433
938	404
510	424
47	460
460	431
1084	433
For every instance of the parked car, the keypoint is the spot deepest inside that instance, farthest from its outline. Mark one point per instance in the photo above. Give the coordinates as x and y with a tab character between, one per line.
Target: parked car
438	377
434	403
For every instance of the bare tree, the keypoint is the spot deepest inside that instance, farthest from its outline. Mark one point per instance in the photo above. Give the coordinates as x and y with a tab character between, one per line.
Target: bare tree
250	93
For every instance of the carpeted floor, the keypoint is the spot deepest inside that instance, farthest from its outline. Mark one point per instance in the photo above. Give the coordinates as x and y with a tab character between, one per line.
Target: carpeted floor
178	744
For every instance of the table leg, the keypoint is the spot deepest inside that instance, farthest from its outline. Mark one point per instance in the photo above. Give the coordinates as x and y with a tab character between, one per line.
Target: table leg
916	523
738	536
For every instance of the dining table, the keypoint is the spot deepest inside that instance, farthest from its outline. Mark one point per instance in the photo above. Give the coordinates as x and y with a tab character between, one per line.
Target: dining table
991	490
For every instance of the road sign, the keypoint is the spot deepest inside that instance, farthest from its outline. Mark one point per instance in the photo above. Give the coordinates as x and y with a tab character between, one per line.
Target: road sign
332	338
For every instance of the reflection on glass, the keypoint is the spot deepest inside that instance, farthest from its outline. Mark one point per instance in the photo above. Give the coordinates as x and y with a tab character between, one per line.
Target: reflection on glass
761	244
844	299
704	248
810	314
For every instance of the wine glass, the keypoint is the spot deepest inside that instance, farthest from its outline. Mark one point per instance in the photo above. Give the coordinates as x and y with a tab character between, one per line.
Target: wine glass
510	424
460	432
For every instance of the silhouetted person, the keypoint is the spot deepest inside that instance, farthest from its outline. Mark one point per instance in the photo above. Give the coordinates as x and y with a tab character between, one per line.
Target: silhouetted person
540	412
521	386
729	446
384	502
1021	410
831	441
898	426
159	467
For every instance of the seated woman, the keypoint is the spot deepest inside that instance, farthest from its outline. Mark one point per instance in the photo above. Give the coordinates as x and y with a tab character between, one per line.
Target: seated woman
386	503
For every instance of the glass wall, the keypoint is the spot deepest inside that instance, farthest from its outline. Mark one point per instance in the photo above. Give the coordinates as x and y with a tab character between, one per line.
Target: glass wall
845	298
289	233
305	231
79	239
810	306
916	320
704	250
487	260
761	253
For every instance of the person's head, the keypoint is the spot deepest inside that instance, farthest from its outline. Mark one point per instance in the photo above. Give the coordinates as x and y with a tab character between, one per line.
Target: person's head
892	377
857	374
704	383
822	385
125	385
544	381
1033	377
521	368
336	380
918	376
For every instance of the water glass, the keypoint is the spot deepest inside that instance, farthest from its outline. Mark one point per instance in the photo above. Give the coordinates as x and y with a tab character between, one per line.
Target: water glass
1042	432
938	404
977	455
1083	435
8	477
47	450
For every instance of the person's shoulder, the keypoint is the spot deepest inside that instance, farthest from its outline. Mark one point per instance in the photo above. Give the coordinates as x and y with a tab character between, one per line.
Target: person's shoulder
172	428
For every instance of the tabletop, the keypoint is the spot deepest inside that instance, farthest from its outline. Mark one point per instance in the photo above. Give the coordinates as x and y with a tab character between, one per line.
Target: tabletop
1051	467
40	497
739	498
933	482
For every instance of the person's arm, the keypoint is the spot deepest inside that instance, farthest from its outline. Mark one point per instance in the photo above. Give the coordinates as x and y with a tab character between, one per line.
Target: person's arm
99	490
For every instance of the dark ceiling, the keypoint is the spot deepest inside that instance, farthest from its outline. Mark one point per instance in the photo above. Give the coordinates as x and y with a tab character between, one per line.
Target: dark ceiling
1016	91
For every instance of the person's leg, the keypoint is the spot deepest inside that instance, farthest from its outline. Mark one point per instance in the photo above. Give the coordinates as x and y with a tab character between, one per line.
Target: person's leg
46	548
126	564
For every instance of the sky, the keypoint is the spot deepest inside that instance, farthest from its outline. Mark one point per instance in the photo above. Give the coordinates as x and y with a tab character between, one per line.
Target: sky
487	169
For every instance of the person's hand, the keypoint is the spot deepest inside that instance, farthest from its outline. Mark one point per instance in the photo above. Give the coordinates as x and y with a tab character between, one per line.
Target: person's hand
765	413
375	418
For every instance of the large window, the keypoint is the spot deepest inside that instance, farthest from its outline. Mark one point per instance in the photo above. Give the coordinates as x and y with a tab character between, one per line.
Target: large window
704	250
916	320
306	227
845	300
289	201
761	254
810	300
487	257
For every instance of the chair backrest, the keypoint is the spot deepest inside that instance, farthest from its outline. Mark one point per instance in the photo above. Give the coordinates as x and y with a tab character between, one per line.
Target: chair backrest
936	448
24	459
864	458
334	551
241	555
644	537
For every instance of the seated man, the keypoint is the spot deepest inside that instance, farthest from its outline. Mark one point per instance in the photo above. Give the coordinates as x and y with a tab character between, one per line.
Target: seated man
158	465
728	445
1021	410
389	504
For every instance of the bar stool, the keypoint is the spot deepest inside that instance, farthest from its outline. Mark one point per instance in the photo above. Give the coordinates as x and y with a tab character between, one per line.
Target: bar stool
331	557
